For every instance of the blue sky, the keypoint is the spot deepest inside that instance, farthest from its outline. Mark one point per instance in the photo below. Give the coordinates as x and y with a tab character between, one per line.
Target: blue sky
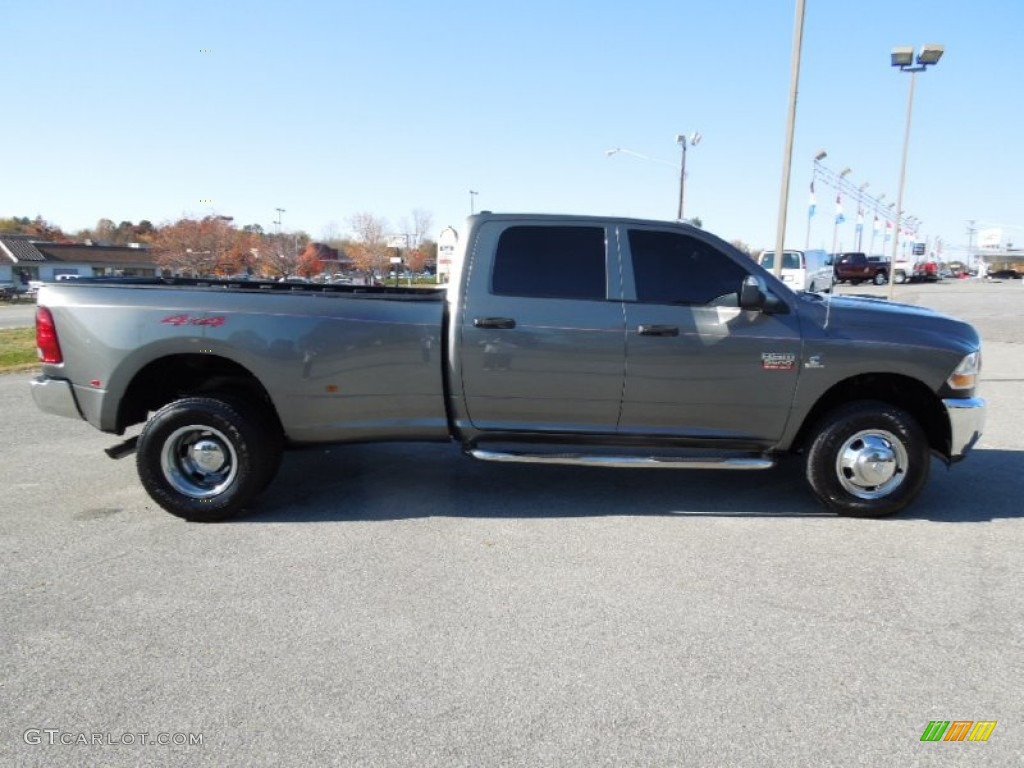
331	109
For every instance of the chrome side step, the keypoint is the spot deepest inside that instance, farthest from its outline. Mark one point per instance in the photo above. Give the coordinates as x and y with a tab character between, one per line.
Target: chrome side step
626	462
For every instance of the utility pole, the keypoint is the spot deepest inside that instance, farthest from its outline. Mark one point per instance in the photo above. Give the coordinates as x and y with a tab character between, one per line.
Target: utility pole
971	261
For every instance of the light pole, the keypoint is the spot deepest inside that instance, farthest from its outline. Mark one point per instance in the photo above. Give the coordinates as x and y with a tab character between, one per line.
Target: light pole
874	223
787	152
813	205
693	140
903	57
859	227
472	197
839	211
624	151
278	249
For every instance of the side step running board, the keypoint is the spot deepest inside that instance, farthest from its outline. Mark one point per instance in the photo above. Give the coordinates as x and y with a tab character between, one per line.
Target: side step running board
627	462
119	451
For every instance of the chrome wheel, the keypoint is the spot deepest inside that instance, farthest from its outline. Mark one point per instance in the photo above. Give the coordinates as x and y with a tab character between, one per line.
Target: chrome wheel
198	461
871	464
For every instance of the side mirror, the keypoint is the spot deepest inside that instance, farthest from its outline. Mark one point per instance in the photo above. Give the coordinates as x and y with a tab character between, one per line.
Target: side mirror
752	293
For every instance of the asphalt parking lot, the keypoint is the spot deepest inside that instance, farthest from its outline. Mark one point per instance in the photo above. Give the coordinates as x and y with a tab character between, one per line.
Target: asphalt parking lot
402	605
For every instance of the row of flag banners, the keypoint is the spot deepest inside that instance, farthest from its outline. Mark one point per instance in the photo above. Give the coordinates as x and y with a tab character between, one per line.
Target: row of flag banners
841	217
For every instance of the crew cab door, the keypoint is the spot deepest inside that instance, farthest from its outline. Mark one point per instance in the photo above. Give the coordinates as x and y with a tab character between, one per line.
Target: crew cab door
542	335
697	366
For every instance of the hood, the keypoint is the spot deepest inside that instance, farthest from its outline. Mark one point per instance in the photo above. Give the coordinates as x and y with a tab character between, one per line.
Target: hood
892	322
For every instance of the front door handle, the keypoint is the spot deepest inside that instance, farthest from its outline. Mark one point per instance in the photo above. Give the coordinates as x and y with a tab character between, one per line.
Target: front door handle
658	330
500	323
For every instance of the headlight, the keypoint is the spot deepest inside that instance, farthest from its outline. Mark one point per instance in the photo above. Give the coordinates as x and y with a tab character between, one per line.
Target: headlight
966	374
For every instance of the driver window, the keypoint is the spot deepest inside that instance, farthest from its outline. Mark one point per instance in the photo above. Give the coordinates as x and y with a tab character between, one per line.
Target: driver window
674	268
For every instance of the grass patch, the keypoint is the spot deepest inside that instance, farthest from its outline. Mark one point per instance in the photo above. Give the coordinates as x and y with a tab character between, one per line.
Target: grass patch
17	348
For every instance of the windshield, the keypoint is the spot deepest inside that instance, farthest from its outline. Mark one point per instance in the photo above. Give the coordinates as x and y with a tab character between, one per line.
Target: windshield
790	260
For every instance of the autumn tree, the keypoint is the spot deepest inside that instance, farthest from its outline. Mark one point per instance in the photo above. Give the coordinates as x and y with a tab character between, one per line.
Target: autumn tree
278	254
369	252
16	225
421	256
195	246
309	262
38	228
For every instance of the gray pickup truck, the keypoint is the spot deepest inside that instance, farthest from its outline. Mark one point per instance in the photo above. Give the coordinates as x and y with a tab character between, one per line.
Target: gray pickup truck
561	340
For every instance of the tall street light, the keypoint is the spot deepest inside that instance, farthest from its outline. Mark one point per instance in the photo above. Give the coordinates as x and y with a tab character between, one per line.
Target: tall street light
903	57
623	151
839	211
787	154
472	197
813	205
692	140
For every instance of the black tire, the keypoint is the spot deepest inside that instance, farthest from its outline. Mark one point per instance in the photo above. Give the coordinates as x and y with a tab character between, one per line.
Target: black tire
840	469
881	278
855	282
901	277
240	450
272	442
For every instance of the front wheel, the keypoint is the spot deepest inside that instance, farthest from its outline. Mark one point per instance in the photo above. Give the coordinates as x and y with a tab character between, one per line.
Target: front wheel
901	277
869	459
205	459
881	278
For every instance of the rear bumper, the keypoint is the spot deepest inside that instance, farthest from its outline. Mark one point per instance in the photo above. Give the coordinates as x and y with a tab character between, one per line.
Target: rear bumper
55	396
966	422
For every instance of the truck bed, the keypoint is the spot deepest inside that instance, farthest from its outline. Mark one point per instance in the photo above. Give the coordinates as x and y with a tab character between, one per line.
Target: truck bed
338	362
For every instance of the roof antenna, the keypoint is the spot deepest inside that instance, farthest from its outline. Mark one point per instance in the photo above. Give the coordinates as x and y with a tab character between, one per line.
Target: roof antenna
828	298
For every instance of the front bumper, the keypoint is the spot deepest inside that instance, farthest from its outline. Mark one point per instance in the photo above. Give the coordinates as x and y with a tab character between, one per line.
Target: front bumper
55	396
966	422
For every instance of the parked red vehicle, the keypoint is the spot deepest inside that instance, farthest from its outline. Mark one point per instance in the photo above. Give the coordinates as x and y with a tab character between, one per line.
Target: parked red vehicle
926	271
858	268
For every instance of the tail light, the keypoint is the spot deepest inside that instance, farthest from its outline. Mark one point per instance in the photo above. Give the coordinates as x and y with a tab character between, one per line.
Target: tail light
47	345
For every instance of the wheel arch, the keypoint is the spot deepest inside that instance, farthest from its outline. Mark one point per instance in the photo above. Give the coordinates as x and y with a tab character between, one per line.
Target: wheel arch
905	392
176	376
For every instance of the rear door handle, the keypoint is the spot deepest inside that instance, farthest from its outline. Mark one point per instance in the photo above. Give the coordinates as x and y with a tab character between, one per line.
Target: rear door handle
658	330
501	323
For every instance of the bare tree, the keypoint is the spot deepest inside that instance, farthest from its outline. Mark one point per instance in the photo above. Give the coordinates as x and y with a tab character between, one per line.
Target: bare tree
422	224
740	245
278	254
331	233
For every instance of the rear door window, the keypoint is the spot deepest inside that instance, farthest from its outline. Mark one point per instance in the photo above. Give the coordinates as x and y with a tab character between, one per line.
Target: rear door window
551	262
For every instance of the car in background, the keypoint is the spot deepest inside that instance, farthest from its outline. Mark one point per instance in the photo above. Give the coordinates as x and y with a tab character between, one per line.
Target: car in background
858	268
802	270
1005	274
926	271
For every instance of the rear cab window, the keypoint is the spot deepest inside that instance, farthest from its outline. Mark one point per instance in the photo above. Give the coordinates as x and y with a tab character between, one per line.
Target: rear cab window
563	262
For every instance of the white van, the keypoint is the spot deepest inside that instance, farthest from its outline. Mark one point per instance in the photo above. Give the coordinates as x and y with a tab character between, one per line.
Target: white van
803	270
